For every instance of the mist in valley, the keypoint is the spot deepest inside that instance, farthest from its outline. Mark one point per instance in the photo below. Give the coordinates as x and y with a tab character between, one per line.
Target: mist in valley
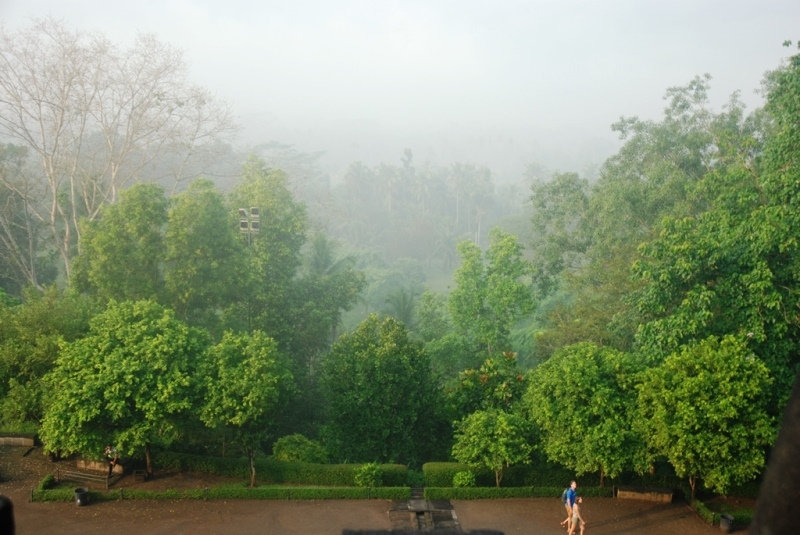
408	127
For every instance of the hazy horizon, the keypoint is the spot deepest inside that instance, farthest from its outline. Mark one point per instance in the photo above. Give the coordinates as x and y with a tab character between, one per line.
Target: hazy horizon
501	84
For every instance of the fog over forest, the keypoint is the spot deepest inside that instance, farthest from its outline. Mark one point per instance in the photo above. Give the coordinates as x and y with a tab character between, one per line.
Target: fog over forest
554	234
497	84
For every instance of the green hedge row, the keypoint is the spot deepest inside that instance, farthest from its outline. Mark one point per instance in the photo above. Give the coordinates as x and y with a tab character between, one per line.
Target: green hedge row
483	493
534	475
704	512
740	518
316	493
280	472
541	473
231	493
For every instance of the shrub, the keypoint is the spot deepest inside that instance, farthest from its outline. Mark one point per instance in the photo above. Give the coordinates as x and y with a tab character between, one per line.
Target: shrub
415	479
705	513
47	482
464	479
369	475
297	448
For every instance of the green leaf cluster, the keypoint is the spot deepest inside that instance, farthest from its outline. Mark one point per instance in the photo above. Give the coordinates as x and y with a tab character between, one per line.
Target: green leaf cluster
704	410
382	402
492	439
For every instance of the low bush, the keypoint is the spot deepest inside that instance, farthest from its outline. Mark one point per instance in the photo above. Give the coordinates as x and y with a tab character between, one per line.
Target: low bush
54	495
47	482
298	448
705	513
369	475
464	479
415	479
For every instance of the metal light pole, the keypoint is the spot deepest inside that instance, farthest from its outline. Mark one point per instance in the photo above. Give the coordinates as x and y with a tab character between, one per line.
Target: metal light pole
249	224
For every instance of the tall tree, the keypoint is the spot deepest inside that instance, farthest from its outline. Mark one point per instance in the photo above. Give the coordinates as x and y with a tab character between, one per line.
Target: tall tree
582	400
489	299
204	259
653	178
704	410
732	269
492	439
244	379
96	118
560	209
23	261
382	403
274	251
130	381
122	252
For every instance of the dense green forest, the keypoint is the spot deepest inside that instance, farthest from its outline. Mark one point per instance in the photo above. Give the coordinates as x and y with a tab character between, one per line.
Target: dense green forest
162	290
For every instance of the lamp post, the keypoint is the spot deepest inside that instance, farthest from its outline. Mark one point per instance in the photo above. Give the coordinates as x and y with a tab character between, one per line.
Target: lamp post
249	222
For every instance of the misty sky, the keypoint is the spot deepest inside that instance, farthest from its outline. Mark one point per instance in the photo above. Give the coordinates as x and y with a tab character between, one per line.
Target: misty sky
502	83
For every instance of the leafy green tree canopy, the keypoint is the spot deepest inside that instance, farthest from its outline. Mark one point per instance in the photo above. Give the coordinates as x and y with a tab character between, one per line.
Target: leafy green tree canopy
489	299
582	399
204	261
31	335
734	268
492	439
130	381
496	384
245	378
704	411
383	404
121	252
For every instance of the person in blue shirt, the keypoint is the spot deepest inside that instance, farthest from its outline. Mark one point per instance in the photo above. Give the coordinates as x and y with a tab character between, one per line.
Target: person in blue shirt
571	496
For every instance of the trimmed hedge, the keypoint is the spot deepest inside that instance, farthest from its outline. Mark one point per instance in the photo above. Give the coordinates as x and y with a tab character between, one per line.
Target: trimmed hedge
704	512
541	473
740	518
54	495
534	475
47	482
232	493
483	493
280	472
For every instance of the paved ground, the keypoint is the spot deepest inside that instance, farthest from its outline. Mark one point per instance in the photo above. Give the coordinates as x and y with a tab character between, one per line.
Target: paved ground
275	517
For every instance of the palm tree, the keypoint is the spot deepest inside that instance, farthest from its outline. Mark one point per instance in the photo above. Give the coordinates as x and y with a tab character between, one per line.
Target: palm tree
402	303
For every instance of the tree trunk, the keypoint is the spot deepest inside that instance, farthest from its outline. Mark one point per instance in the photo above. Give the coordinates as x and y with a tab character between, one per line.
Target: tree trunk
498	477
602	477
692	484
148	460
251	455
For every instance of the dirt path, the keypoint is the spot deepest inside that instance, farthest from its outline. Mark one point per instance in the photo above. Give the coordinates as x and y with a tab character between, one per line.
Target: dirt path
19	473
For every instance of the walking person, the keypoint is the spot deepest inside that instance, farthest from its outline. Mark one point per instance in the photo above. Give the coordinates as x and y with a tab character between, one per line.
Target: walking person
565	504
569	501
577	519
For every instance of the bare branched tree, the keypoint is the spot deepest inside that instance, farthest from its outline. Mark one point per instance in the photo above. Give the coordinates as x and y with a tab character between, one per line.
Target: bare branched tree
97	119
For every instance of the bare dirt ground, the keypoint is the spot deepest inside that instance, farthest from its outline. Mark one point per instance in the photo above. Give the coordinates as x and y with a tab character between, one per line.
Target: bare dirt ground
20	473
